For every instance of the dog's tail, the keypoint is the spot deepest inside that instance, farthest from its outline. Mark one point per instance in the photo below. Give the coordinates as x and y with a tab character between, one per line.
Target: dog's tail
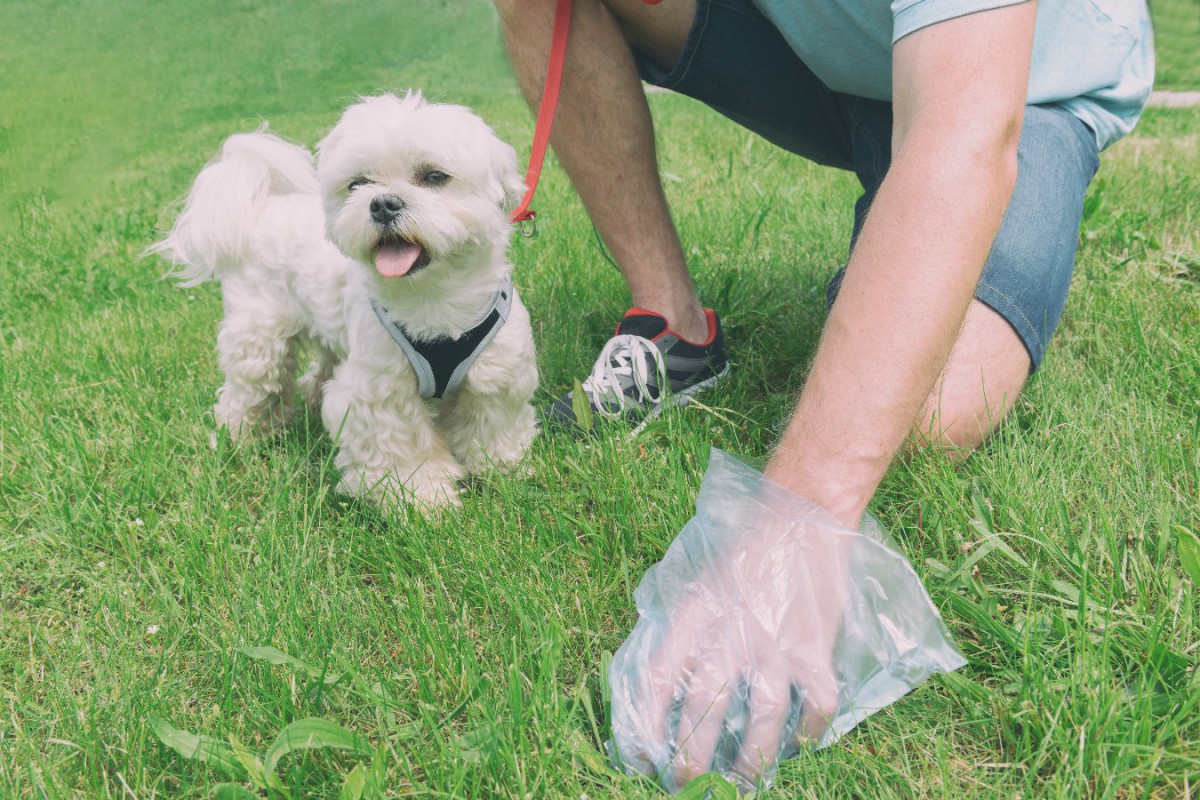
214	232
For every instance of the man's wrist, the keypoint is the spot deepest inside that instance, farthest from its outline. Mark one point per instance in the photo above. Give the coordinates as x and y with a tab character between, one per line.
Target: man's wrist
840	500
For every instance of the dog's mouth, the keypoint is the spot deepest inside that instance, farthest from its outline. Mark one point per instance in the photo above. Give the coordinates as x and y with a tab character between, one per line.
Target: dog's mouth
396	256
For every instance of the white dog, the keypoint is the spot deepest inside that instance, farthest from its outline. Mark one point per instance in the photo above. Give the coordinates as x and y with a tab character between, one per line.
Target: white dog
390	258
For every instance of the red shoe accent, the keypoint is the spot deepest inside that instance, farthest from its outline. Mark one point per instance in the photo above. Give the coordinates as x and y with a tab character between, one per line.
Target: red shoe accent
709	314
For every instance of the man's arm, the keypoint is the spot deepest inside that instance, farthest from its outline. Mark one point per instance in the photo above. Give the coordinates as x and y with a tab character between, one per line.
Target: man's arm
959	91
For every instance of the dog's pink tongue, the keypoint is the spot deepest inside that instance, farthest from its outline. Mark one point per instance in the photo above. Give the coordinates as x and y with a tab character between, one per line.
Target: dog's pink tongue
394	259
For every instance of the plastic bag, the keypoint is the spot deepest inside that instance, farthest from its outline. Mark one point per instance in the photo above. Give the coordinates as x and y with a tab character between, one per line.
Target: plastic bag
766	627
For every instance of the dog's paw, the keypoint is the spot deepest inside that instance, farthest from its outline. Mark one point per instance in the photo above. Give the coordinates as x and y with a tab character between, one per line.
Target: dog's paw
423	491
506	463
496	447
235	431
429	496
261	420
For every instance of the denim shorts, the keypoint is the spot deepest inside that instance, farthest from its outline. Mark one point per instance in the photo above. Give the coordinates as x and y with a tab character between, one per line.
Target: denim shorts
737	63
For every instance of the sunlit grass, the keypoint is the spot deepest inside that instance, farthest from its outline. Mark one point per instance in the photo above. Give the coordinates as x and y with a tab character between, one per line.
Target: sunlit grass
139	568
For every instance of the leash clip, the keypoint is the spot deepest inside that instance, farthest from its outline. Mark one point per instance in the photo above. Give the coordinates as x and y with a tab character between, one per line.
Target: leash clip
527	226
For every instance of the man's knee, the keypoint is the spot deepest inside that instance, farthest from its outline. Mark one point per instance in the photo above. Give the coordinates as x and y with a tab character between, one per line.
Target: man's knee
978	386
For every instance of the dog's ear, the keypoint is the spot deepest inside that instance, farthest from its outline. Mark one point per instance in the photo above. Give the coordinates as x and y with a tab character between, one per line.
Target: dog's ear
507	176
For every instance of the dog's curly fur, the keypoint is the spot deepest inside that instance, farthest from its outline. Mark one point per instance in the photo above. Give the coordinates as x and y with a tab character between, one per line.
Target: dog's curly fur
300	254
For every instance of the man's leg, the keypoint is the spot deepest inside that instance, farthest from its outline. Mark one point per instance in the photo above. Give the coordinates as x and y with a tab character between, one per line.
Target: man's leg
724	53
978	386
604	138
1024	285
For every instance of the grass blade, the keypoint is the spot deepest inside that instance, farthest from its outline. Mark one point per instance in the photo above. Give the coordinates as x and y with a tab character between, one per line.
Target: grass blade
273	655
581	407
709	786
196	747
355	783
313	734
1189	553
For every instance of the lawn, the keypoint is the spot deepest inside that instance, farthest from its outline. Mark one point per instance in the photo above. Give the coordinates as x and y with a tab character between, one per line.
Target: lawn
154	588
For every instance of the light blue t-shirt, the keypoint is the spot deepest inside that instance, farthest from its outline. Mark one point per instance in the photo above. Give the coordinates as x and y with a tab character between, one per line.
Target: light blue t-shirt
1093	57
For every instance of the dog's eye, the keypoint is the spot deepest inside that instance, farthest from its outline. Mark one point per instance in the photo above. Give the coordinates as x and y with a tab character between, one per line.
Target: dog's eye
357	182
434	177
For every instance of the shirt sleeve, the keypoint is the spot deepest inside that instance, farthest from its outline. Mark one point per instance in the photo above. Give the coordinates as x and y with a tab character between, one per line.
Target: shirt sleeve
912	15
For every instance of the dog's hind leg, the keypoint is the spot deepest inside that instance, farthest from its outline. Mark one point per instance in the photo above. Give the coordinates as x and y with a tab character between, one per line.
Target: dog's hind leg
255	349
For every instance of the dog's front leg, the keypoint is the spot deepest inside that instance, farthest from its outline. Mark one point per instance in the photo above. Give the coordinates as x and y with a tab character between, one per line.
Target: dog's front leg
490	423
388	446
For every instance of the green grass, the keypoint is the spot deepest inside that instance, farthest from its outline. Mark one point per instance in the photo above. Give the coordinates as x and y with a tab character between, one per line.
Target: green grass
464	651
1177	39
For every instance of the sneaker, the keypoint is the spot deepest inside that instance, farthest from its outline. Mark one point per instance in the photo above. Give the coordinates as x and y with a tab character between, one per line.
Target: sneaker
645	368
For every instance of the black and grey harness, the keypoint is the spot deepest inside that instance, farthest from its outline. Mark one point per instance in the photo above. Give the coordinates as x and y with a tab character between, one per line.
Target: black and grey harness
442	364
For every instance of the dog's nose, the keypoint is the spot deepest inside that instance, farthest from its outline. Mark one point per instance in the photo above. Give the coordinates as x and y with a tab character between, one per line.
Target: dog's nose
386	207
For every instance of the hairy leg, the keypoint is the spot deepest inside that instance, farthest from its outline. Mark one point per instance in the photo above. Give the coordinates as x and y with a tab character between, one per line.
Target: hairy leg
604	137
491	431
489	422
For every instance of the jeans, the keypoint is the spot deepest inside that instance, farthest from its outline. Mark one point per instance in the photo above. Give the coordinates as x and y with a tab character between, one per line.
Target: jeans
737	63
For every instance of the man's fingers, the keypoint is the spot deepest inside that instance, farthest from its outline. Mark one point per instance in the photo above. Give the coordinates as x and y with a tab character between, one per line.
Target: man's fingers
648	694
707	728
666	675
671	654
774	708
820	699
818	715
733	729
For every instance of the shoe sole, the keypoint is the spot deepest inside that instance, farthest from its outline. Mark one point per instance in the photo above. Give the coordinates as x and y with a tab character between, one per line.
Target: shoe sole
679	399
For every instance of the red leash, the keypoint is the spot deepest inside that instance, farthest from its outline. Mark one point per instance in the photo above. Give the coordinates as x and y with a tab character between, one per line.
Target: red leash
545	117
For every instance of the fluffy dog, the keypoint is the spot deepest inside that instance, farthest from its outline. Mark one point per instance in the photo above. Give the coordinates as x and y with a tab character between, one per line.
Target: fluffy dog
390	259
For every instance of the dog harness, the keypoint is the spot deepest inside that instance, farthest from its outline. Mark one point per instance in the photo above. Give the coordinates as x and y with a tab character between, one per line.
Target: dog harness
441	364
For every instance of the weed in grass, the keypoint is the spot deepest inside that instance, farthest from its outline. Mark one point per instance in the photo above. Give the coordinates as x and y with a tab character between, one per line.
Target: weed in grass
235	760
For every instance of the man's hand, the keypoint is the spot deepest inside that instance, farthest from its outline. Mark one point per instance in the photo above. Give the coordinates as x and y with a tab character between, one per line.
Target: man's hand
742	672
766	627
730	667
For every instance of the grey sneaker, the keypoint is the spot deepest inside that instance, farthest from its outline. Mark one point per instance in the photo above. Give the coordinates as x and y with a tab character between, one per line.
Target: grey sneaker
645	368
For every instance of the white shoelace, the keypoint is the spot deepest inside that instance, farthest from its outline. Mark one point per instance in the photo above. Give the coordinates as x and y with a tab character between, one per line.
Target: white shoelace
624	356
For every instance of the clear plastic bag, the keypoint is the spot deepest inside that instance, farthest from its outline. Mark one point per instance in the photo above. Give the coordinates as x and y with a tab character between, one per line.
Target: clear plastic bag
766	627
